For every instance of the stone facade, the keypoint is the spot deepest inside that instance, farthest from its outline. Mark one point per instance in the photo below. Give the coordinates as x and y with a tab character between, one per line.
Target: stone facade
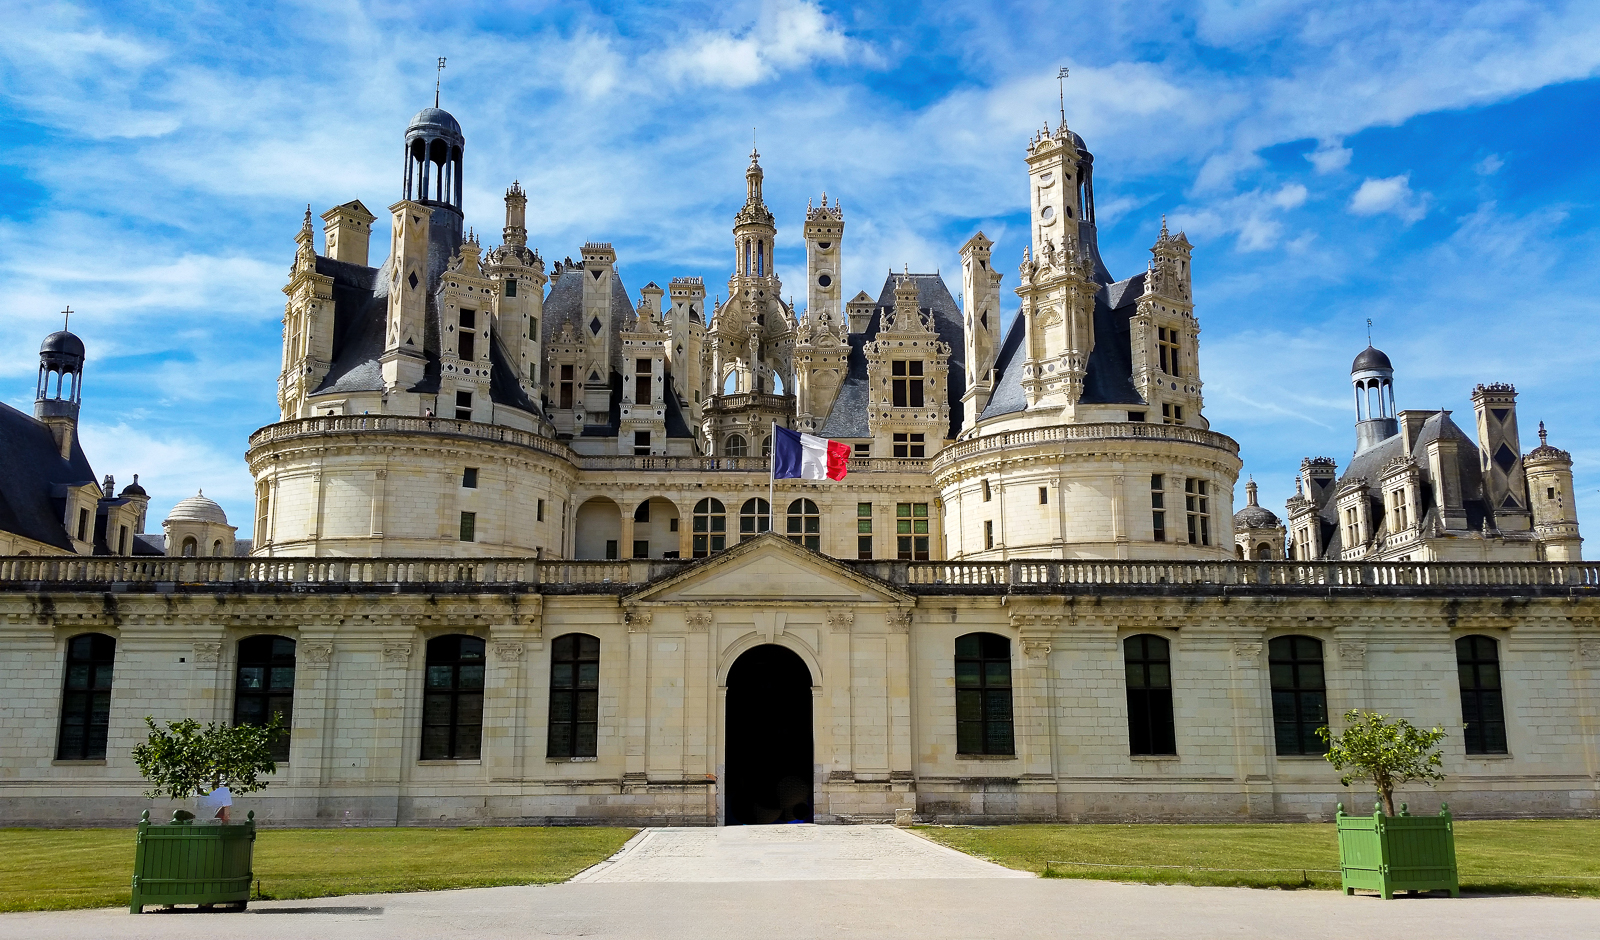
878	640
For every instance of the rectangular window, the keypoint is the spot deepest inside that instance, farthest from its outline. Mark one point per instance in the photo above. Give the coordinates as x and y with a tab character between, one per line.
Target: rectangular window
1147	660
86	697
1044	495
641	548
1352	527
469	478
910	445
122	541
983	695
911	531
1171	414
641	443
1483	714
863	450
463	406
452	698
533	327
1299	697
642	382
1158	506
539	511
511	287
988	494
864	530
466	347
1197	503
83	525
906	382
567	384
469	527
574	696
1135	416
611	549
265	686
469	319
672	524
988	534
1167	341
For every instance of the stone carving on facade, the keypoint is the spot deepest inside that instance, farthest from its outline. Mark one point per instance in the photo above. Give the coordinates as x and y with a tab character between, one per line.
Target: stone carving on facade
900	620
1036	650
698	621
508	651
397	654
1589	650
840	621
207	653
1353	653
638	621
1247	652
316	653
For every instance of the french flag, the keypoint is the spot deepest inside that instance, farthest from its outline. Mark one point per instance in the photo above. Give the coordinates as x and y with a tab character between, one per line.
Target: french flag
807	456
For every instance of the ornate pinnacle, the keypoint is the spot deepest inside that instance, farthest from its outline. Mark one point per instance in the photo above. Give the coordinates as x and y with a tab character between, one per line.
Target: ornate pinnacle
1544	436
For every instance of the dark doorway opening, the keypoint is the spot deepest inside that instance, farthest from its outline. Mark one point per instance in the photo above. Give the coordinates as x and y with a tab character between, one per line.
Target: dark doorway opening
768	772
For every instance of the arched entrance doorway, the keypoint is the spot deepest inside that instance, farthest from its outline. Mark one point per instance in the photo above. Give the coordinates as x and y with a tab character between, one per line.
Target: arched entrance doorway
768	768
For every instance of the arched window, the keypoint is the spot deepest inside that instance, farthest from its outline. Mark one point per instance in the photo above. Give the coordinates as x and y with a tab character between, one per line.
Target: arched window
1238	552
574	696
1147	660
216	549
1299	695
735	446
1263	552
710	527
191	548
805	524
761	258
766	447
452	703
983	695
265	686
86	697
730	382
1482	708
754	518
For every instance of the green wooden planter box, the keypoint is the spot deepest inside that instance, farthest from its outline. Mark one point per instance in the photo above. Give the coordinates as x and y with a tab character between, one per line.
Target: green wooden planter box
1398	853
181	863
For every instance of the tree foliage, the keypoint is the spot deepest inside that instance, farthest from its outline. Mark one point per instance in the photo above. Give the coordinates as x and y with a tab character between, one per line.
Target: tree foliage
184	761
1388	753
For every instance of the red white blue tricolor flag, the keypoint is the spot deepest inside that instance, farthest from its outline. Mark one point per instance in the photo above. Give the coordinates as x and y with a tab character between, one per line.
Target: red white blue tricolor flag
807	456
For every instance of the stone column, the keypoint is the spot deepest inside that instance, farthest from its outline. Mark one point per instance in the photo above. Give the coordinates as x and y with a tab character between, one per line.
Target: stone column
636	715
504	709
1252	721
311	736
625	538
900	717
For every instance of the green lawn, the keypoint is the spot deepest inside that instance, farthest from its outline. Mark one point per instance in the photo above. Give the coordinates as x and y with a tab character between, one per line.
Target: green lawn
1501	856
54	869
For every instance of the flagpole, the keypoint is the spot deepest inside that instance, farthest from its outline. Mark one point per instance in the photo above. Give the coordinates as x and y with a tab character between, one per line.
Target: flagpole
772	471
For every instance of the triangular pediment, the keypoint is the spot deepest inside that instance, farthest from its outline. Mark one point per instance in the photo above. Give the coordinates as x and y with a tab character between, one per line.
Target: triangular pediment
766	569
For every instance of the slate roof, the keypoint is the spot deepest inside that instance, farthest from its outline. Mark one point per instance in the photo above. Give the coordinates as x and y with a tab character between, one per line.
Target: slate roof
848	418
1368	467
33	476
360	317
1108	379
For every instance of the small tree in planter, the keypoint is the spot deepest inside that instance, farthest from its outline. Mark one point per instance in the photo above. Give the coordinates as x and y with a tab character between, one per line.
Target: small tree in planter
204	865
1388	852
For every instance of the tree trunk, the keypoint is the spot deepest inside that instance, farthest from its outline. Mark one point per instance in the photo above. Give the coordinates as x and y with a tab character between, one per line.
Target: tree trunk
1387	794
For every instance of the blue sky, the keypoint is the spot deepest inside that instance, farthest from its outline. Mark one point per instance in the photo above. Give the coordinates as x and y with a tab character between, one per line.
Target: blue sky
1428	165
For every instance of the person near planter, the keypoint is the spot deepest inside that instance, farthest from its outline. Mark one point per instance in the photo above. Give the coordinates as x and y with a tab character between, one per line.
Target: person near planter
214	805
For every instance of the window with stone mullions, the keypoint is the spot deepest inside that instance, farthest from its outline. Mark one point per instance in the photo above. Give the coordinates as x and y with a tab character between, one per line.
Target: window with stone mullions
804	524
86	697
754	517
911	531
1483	716
710	527
984	724
1197	504
910	445
1158	513
265	686
906	382
574	696
1167	342
452	700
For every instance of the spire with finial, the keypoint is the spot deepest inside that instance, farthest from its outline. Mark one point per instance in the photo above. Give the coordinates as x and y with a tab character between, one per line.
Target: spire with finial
1544	436
438	77
305	255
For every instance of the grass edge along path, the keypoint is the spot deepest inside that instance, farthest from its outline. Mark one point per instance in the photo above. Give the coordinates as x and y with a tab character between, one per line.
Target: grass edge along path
64	869
1512	856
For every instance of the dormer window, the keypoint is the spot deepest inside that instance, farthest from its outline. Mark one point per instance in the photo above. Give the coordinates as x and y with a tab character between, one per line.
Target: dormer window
467	334
906	382
1167	344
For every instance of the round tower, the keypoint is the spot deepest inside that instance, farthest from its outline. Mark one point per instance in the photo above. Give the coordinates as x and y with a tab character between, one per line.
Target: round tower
197	527
1372	375
1258	533
1555	517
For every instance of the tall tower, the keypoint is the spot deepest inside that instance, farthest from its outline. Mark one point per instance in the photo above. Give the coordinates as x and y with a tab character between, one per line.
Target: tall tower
750	340
519	273
1555	513
1373	377
980	286
1166	336
686	324
824	255
821	350
1059	276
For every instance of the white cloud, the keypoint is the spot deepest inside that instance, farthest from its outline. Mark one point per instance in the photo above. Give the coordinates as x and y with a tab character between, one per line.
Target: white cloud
1489	165
1392	195
1252	216
788	34
1330	156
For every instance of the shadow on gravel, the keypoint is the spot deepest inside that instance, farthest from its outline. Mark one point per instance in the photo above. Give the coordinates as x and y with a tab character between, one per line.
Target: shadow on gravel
317	910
